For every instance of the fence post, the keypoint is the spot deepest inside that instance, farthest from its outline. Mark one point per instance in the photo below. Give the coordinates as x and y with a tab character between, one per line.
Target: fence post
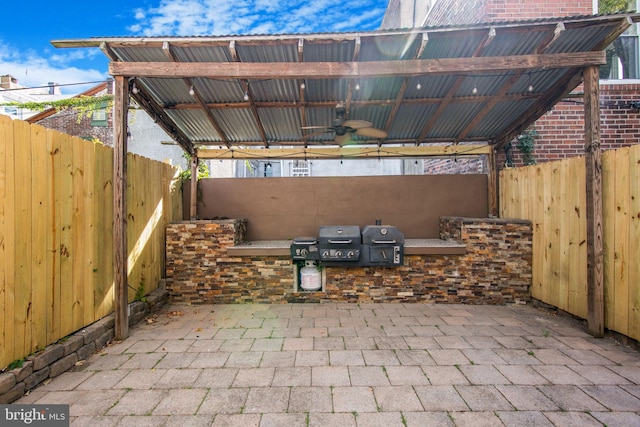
120	270
493	188
193	202
595	248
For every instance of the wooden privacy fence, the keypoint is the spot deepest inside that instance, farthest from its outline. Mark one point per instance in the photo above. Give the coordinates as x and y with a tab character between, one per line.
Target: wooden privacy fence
553	196
56	232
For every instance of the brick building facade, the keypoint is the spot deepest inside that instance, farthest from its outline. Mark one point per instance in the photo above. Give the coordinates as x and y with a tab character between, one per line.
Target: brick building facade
561	130
461	12
96	126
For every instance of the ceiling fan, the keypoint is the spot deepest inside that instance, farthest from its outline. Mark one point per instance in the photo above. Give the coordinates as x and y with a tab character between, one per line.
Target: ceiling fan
344	129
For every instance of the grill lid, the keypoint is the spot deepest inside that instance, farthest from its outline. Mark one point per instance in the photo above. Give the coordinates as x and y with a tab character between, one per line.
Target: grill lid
340	234
305	240
382	235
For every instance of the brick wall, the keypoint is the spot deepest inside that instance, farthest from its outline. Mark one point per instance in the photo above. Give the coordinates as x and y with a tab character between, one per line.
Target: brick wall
66	122
510	10
462	12
461	165
561	131
495	270
63	355
73	123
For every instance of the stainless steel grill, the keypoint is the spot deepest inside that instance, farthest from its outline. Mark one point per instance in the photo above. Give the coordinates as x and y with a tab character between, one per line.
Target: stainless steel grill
339	244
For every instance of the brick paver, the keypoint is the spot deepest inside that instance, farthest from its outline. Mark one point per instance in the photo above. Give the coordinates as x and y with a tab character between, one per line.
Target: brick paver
353	365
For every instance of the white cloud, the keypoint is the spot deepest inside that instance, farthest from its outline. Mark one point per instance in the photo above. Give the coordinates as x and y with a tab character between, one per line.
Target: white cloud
186	18
223	17
32	69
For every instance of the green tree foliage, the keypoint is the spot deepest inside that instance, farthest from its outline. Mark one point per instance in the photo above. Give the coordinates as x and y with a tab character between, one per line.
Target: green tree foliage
203	169
615	49
526	144
614	6
83	105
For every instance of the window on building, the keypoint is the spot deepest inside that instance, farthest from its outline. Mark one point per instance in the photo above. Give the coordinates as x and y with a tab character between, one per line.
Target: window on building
300	168
623	61
11	111
99	116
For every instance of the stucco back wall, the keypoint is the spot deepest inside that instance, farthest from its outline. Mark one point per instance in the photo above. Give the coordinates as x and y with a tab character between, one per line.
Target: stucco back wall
283	208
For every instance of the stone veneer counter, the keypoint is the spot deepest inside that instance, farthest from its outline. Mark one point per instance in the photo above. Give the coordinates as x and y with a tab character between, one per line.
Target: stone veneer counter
476	261
411	247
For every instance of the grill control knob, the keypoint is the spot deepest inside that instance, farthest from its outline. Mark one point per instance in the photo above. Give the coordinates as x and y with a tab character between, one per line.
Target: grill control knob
350	254
304	252
325	254
338	254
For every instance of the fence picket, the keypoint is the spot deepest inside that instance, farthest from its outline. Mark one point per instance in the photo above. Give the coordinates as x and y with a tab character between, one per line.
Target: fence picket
65	211
7	236
23	230
558	208
38	236
634	242
621	222
56	225
88	232
54	278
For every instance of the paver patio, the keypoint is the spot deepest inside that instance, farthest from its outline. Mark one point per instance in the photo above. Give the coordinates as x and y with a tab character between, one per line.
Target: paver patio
353	365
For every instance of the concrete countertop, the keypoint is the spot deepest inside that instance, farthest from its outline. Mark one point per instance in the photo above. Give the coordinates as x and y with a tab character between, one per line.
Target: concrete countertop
411	247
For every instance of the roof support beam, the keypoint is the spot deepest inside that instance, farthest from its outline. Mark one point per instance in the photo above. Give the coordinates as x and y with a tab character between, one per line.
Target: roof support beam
403	88
323	70
622	27
249	98
166	47
351	86
490	105
301	90
489	37
342	152
562	88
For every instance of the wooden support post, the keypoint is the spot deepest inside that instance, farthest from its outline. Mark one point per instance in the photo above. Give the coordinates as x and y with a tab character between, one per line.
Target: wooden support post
493	185
193	205
120	252
595	248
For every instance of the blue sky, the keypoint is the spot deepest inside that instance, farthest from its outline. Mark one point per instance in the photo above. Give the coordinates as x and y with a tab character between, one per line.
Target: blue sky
29	26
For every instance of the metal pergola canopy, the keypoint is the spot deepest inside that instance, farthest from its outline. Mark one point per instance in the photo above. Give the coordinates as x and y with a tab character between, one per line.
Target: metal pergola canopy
427	88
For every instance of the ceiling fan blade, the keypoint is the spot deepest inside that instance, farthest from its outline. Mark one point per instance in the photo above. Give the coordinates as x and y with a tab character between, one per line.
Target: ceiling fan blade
372	133
357	124
316	127
343	139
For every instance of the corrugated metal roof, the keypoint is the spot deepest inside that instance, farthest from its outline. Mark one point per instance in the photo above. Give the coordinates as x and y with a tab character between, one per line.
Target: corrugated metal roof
412	100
